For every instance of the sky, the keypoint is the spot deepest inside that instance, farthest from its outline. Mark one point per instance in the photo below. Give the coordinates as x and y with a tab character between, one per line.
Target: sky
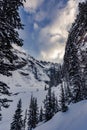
47	23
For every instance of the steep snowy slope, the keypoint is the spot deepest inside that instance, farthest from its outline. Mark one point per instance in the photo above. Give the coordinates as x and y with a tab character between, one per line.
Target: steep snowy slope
74	119
21	87
29	76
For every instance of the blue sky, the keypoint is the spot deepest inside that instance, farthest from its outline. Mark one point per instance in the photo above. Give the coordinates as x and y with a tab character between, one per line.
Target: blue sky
47	23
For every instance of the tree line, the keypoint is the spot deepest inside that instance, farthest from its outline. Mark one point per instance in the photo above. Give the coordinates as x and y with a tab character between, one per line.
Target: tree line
34	115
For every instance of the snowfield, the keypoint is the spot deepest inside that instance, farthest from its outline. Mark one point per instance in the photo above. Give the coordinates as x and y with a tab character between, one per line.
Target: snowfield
23	83
74	119
22	87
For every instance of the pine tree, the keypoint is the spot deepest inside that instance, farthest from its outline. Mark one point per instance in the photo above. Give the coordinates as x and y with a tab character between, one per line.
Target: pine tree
32	113
17	123
84	82
0	116
45	88
68	95
36	113
36	73
64	108
50	105
10	23
74	58
55	106
67	91
41	116
25	120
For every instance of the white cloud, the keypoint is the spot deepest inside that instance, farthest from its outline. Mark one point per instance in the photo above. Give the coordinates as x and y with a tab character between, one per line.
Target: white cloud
54	36
36	26
54	54
32	5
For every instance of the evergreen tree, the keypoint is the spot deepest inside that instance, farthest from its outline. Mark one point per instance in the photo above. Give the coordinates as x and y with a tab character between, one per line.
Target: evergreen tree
0	113
32	114
0	116
45	88
64	108
67	91
9	21
25	120
50	105
17	123
55	106
74	59
36	113
68	94
84	82
35	72
41	116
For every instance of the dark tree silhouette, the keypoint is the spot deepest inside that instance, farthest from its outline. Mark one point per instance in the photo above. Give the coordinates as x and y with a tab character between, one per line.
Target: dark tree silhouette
32	114
17	123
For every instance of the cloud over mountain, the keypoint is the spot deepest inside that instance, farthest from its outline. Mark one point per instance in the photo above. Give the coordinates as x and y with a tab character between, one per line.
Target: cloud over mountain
50	23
